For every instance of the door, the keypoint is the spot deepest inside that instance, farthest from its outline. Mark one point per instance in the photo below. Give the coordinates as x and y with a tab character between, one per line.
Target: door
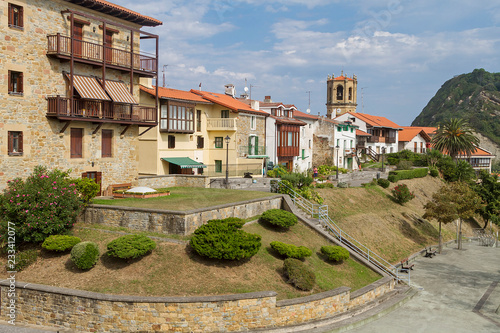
108	45
96	176
77	37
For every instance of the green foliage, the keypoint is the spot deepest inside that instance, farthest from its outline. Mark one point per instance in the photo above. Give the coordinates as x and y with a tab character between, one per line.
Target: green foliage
298	274
434	172
297	180
489	190
87	187
23	259
130	246
383	182
342	185
455	137
404	165
456	171
44	204
328	170
221	240
402	194
335	253
394	176
85	255
60	242
324	185
290	250
433	156
279	217
278	171
403	155
309	194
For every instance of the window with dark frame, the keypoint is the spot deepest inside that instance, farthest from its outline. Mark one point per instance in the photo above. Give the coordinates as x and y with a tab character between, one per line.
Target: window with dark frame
198	120
15	83
177	117
171	141
224	113
219	142
200	142
107	143
16	16
76	142
218	165
15	143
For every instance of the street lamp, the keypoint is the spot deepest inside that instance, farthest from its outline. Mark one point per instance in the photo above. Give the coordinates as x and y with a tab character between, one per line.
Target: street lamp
227	138
337	162
383	151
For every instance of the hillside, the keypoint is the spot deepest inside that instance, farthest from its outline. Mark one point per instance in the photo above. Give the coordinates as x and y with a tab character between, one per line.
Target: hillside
474	96
387	228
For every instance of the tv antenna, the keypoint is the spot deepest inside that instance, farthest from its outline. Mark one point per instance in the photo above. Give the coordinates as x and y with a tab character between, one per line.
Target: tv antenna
309	105
164	69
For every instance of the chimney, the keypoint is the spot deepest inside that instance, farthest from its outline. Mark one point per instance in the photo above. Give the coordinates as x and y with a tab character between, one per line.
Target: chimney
254	104
146	82
267	99
230	90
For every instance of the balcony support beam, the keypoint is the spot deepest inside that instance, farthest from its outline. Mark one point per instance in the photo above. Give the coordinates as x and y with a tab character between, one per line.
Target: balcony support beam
125	130
65	127
97	128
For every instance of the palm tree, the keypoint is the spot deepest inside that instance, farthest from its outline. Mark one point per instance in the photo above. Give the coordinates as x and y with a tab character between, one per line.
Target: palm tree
455	137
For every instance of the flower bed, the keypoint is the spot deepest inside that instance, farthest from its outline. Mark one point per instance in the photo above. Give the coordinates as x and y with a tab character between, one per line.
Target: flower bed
121	194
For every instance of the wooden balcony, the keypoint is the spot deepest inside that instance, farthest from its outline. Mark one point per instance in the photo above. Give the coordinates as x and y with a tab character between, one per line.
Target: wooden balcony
101	112
221	124
59	46
385	139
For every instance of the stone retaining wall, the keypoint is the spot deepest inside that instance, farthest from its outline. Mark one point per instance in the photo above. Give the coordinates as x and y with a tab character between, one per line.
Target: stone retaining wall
174	180
175	222
94	312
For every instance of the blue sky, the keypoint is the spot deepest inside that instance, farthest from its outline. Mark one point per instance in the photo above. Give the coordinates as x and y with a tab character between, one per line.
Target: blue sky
401	51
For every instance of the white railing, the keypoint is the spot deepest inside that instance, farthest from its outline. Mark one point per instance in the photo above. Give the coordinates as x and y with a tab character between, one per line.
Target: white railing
321	213
221	123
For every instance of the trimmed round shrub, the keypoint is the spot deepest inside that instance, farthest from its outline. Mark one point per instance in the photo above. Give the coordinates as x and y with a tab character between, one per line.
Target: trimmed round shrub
299	274
335	253
404	165
383	182
290	250
130	246
85	255
279	217
60	242
219	239
434	172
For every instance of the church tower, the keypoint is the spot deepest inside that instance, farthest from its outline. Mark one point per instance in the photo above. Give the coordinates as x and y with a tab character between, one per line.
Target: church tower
341	95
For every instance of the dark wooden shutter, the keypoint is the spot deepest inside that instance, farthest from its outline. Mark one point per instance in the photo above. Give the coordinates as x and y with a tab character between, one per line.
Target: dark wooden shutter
11	16
20	82
76	142
107	143
10	142
256	145
21	17
20	142
10	79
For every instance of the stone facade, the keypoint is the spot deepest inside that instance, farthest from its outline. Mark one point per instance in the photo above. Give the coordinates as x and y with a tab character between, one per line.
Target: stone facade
174	180
24	50
94	312
175	222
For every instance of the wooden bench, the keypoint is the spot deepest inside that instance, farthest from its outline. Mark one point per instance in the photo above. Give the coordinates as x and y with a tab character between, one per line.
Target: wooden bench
405	266
430	253
117	187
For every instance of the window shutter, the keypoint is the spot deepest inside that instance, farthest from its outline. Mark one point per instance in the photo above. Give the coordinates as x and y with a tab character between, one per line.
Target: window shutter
76	142
20	142
256	145
21	17
10	76
85	175
10	141
20	83
10	14
250	145
106	145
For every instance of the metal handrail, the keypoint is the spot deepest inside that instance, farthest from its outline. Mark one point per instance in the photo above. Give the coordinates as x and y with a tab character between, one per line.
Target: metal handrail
321	212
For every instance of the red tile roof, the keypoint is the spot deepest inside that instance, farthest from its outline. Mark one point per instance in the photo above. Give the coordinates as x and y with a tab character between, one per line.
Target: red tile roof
228	102
300	114
361	133
174	94
342	78
112	9
267	104
375	121
428	130
408	133
286	120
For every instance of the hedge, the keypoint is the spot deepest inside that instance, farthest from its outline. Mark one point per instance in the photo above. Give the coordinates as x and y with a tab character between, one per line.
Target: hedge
130	246
85	255
279	217
335	253
290	250
60	242
394	176
299	274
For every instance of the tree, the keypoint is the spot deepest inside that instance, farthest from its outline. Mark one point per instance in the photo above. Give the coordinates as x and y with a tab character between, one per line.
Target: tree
455	137
433	156
453	201
489	190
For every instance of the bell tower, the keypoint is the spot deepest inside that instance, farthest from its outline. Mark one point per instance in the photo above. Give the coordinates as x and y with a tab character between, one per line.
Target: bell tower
341	96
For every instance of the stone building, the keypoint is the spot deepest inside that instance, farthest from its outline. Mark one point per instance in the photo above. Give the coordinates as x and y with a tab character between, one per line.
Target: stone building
70	86
341	95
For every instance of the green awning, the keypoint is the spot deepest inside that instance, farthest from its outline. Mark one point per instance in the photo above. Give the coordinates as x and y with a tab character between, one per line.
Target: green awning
184	162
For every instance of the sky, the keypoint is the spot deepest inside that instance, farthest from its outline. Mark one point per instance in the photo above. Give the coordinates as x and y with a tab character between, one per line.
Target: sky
401	51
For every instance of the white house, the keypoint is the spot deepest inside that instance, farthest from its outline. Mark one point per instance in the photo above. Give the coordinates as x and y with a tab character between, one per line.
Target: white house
414	139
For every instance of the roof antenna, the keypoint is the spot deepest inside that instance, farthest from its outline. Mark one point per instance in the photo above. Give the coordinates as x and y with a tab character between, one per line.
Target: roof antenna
309	107
164	67
200	86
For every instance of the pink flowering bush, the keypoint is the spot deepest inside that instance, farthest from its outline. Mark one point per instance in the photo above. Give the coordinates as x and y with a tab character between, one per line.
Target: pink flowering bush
46	203
402	194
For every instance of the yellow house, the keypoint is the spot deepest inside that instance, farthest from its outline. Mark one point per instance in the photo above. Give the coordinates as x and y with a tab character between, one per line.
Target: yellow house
198	134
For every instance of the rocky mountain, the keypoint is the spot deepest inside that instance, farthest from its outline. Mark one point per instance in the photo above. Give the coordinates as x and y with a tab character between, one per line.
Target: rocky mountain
474	96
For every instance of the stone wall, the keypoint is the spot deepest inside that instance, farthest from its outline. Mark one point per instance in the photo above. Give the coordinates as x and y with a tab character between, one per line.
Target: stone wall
175	222
94	312
173	180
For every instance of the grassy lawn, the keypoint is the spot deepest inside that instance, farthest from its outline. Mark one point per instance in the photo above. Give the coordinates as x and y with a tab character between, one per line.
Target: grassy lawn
174	270
187	198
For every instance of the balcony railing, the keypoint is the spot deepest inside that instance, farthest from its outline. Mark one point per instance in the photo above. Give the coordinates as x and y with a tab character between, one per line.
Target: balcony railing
88	52
100	111
386	139
248	151
221	124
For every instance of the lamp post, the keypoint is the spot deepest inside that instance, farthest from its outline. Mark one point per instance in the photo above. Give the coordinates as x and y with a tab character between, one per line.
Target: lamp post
227	138
337	162
383	151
